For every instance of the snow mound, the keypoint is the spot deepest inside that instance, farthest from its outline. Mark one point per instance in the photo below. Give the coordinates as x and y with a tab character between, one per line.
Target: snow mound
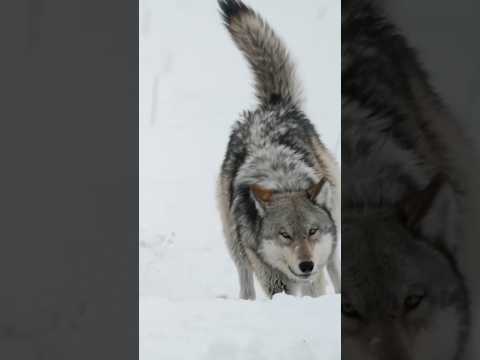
282	328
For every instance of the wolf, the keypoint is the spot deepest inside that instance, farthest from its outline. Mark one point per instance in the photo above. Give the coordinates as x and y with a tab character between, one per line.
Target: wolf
403	294
279	188
404	200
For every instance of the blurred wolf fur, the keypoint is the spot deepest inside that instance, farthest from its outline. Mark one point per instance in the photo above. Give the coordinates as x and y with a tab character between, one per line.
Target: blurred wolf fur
407	200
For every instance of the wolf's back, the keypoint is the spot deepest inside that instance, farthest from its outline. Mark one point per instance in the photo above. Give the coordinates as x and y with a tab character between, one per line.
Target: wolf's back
268	58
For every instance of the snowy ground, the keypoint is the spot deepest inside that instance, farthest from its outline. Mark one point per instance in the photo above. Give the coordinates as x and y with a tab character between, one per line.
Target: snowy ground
282	329
193	83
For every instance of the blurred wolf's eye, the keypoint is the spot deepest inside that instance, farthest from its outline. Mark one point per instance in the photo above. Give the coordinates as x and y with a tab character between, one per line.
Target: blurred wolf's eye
349	311
285	235
413	301
312	231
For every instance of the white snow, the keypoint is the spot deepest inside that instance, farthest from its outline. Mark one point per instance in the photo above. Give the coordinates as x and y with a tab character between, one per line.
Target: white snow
193	84
284	328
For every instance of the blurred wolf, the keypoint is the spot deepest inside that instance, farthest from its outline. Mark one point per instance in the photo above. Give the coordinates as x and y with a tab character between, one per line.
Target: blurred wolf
403	295
278	190
404	182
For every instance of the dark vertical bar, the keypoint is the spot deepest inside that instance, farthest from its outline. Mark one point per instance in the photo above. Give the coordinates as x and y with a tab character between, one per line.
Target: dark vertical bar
69	175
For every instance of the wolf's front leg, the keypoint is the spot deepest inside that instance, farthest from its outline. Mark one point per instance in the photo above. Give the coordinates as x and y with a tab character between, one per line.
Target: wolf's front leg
334	271
318	287
271	280
276	286
247	289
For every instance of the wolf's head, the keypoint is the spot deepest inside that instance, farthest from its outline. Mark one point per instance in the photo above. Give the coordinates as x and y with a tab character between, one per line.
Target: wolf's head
297	233
402	295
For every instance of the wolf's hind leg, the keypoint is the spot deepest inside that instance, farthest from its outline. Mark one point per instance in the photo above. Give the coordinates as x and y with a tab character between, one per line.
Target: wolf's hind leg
245	277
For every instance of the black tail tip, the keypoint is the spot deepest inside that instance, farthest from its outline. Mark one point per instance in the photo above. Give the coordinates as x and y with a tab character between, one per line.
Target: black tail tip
230	9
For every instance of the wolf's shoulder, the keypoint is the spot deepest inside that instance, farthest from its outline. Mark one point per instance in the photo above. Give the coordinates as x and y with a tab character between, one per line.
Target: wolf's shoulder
267	135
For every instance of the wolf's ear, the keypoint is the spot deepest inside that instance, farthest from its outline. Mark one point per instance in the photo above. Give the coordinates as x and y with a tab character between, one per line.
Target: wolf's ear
315	189
321	193
433	212
264	196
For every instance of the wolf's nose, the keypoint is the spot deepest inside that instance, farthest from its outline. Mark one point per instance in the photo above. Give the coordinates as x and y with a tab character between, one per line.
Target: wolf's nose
306	266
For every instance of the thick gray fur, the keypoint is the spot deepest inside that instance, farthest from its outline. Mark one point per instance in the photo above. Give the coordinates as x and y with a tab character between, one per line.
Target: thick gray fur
267	56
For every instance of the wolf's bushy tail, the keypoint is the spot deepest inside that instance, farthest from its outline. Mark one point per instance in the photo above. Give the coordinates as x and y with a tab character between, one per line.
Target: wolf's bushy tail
273	69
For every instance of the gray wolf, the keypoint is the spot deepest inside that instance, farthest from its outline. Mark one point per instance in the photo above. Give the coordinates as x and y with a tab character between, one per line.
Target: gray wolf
403	295
403	200
278	189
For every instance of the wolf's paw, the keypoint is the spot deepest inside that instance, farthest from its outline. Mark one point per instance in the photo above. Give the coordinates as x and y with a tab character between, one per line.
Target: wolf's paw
247	295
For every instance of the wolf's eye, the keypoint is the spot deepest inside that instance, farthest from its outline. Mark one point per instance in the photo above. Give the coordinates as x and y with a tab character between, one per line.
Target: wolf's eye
285	235
349	311
312	231
413	301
